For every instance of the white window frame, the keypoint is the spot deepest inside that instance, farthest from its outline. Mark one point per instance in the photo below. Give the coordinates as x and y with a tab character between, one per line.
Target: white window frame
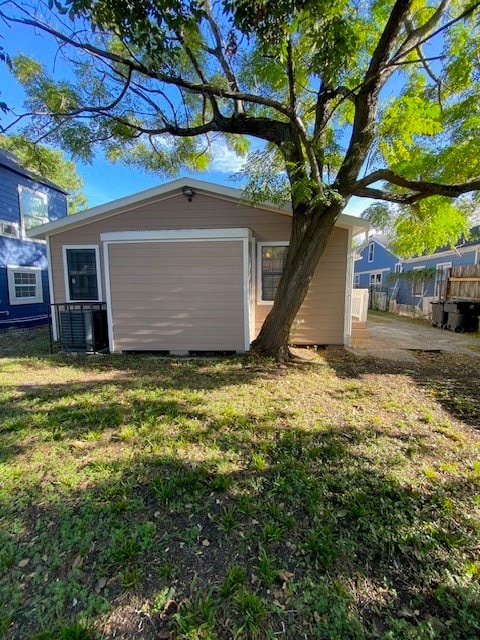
37	298
43	196
371	252
398	267
65	248
374	275
440	267
6	223
260	245
356	280
422	293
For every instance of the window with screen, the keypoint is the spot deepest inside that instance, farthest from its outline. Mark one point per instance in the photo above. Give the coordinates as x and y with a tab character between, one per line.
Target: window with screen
82	274
272	263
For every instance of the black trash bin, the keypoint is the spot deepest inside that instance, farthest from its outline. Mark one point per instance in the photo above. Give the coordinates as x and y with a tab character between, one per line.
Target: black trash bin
462	315
439	315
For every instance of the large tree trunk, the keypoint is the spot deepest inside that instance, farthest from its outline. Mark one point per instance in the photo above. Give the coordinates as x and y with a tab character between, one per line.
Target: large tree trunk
307	243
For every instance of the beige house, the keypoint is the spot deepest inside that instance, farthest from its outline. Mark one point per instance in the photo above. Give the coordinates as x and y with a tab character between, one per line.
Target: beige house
188	266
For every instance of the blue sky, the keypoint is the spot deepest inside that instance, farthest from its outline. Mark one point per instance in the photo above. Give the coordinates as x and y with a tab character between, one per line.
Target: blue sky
104	181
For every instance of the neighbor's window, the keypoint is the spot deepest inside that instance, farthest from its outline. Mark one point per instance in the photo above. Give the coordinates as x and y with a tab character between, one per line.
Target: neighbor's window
375	278
24	285
272	262
33	207
82	278
398	267
441	278
371	251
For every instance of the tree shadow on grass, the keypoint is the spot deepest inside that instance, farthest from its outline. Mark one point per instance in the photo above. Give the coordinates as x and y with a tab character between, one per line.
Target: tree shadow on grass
332	546
453	381
115	393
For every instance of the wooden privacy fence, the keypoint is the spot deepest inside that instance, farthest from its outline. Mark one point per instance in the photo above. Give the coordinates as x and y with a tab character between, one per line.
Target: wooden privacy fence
463	283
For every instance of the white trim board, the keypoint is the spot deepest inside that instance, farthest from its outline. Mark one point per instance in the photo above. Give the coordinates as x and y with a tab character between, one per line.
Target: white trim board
108	295
246	293
347	316
65	247
360	273
53	314
175	235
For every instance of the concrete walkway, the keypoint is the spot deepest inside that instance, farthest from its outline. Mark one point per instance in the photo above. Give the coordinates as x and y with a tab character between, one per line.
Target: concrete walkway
395	338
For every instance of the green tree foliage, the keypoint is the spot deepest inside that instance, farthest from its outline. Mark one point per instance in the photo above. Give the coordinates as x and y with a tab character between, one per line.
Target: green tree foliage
378	99
49	164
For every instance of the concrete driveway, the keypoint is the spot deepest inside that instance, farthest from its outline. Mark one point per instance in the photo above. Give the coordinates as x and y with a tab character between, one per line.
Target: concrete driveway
394	338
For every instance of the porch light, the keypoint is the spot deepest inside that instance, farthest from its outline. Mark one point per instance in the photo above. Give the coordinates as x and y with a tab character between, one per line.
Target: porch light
188	192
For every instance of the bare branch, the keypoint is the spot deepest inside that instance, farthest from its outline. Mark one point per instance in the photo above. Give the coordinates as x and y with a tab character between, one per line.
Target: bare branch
415	36
404	51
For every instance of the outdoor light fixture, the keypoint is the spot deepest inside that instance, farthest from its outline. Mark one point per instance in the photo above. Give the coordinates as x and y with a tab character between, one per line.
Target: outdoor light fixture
188	192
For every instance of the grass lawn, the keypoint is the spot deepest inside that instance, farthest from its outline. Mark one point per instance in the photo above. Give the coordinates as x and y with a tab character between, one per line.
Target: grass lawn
146	497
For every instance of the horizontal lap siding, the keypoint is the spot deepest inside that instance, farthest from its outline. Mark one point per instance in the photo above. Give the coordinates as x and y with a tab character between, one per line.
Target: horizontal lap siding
204	212
320	319
177	295
323	309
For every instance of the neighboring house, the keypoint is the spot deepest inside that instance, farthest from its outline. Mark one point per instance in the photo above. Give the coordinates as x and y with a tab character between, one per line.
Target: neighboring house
375	262
422	292
25	202
187	266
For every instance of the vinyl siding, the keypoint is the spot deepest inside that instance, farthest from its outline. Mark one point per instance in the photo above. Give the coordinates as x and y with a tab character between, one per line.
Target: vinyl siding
203	212
9	202
320	319
323	308
20	252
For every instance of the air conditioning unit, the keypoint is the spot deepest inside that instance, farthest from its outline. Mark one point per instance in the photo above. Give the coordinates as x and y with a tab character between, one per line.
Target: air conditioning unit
8	229
83	329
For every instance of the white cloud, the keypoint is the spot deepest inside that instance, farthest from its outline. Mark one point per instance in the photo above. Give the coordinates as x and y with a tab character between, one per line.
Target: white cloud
225	160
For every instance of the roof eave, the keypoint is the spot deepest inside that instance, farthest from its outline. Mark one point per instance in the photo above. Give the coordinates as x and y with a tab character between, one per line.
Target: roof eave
139	199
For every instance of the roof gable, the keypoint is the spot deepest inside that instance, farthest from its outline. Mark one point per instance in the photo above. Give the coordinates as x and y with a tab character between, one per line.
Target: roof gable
10	161
165	191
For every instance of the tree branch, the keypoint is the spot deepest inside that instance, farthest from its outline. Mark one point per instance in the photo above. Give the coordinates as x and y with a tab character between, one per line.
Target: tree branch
367	98
219	55
387	196
421	188
403	52
200	89
415	36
